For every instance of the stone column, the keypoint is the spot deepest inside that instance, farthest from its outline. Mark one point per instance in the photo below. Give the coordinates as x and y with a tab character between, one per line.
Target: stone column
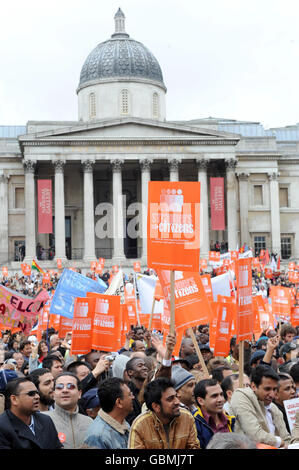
275	213
118	213
145	178
231	200
173	169
243	197
202	166
30	235
4	248
88	213
59	210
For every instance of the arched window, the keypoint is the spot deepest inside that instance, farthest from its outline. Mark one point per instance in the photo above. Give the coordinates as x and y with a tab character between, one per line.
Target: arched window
92	106
155	105
124	102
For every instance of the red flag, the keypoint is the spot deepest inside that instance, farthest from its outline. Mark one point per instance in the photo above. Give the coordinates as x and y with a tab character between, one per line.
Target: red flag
267	257
278	264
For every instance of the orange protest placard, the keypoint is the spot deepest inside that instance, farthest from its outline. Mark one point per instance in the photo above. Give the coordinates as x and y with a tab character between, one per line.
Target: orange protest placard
137	267
93	265
224	323
214	256
232	301
191	303
213	324
244	327
221	270
54	321
59	263
102	262
99	268
294	277
158	291
173	225
130	301
66	325
234	255
280	301
206	282
82	325
294	320
26	269
106	323
268	273
156	321
203	263
4	271
292	266
255	262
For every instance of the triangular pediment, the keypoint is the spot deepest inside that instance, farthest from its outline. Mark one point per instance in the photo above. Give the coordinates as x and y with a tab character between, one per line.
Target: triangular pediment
126	128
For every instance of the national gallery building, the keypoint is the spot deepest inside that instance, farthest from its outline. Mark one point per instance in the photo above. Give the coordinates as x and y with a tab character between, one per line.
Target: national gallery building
121	141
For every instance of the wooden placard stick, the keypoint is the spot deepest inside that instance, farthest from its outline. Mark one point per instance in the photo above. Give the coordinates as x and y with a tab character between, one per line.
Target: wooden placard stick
198	352
152	313
136	303
241	364
172	303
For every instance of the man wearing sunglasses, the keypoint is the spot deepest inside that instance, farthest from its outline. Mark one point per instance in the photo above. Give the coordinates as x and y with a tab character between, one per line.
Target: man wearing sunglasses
21	425
70	424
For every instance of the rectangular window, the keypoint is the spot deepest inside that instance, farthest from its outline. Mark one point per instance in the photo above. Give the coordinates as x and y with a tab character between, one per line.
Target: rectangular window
283	197
286	247
19	198
259	242
258	195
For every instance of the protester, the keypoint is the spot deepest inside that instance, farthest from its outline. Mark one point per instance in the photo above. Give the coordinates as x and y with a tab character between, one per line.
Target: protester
89	403
231	441
54	364
294	373
286	390
70	424
26	349
21	425
229	385
137	373
256	414
219	373
165	425
110	429
184	383
210	417
44	382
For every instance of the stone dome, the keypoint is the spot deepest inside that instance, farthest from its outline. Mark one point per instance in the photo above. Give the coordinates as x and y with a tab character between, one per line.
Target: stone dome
120	58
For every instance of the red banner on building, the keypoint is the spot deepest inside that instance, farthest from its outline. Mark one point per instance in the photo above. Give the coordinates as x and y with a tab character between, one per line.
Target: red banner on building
217	203
44	205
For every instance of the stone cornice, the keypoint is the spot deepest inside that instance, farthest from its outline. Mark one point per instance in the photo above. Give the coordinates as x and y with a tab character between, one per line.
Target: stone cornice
123	142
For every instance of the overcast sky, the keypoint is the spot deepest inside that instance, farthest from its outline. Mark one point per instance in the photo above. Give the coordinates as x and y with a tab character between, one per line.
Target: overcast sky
232	59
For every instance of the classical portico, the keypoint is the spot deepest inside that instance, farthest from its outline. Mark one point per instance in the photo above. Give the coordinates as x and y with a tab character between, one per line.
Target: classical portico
90	166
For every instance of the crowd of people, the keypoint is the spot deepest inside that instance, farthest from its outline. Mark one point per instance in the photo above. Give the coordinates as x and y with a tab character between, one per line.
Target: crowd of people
143	396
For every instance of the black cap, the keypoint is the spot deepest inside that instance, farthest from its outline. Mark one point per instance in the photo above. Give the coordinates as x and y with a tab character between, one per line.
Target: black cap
287	347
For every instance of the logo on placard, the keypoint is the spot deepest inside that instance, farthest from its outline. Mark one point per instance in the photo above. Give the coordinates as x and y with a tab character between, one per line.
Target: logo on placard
173	198
103	306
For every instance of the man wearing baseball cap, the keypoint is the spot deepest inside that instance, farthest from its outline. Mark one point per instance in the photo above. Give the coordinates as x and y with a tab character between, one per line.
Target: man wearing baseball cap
287	352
